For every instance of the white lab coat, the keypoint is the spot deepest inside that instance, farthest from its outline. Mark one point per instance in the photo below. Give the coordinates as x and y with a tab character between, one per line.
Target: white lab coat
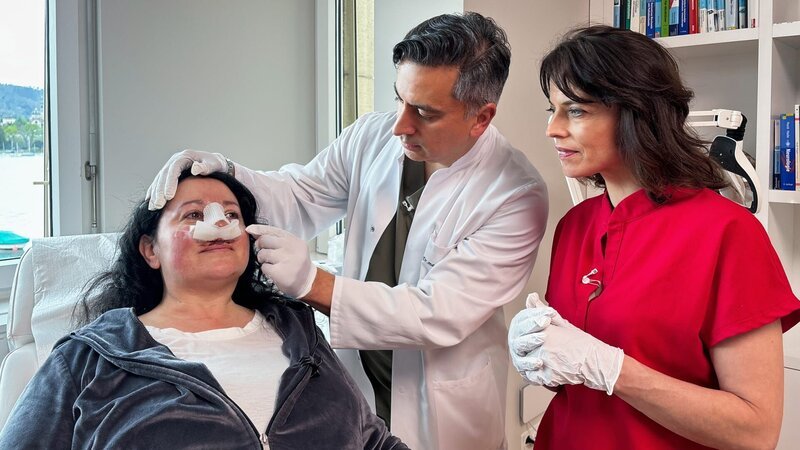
470	250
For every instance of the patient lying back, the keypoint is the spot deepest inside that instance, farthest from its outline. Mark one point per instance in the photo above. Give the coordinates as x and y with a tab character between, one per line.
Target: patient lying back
184	345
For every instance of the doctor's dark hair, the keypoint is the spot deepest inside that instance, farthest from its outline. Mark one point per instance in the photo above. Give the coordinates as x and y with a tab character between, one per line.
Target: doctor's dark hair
132	283
628	70
474	44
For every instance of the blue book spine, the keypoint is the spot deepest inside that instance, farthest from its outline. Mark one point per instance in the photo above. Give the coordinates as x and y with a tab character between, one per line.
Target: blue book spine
702	19
721	15
616	13
673	18
658	18
683	16
742	13
788	153
776	153
650	18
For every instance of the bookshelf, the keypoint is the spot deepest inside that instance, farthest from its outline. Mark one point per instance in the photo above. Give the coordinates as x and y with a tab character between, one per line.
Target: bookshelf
729	42
756	71
776	196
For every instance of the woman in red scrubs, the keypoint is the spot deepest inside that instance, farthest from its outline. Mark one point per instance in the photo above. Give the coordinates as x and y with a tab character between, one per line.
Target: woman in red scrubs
667	300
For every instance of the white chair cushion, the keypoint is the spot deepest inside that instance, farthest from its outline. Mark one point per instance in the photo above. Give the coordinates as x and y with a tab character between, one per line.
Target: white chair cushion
61	268
16	371
20	305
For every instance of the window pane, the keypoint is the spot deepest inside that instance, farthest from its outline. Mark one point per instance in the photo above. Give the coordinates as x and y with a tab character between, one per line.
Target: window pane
357	47
21	124
365	56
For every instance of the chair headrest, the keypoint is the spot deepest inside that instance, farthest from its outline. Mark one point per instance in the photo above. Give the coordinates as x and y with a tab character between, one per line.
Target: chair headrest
61	268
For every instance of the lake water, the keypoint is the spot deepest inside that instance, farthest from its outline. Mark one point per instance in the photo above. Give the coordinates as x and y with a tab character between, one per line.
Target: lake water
21	202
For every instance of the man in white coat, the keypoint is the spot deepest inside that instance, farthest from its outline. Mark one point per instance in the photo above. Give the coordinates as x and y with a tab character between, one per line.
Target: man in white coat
443	223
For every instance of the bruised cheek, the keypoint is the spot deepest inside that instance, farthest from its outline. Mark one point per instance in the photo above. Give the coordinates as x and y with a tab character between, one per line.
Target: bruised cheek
182	242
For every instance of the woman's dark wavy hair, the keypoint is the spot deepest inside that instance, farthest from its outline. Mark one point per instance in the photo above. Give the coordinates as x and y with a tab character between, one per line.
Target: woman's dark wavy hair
474	44
627	69
131	283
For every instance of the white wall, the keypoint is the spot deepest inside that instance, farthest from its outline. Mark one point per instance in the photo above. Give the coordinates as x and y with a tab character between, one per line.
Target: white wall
393	20
230	77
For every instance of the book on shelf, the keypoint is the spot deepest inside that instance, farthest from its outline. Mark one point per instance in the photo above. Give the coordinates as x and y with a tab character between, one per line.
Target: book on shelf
665	8
673	18
634	17
702	19
788	153
615	20
742	14
683	16
642	16
776	154
657	19
625	14
731	14
693	4
720	15
650	18
711	21
796	145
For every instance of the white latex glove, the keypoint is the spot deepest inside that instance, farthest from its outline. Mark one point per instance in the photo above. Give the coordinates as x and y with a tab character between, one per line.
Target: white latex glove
284	259
162	189
533	301
524	333
569	355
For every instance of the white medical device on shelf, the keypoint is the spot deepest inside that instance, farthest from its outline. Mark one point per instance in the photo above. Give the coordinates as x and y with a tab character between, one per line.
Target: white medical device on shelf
727	150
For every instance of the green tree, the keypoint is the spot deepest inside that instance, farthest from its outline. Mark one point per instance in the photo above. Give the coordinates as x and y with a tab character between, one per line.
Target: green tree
31	131
12	135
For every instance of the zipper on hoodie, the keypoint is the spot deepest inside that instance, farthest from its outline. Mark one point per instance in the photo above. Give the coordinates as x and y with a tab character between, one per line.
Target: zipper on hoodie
312	348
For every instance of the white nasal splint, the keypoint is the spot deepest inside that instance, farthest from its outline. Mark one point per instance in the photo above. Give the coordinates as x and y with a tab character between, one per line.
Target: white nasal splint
208	230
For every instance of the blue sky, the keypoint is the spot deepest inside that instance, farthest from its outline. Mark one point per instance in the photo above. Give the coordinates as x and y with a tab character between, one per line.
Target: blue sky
22	42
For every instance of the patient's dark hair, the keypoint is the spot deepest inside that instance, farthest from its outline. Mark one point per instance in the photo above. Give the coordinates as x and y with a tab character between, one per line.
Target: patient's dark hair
132	283
627	69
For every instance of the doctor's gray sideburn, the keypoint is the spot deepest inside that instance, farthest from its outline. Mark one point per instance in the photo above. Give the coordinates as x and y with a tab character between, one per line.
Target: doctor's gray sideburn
474	44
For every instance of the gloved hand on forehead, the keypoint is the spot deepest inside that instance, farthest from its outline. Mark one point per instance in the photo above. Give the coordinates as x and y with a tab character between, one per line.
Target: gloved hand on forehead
559	353
284	258
163	187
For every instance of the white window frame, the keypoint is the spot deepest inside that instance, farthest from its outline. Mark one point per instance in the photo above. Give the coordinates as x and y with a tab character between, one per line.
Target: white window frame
68	126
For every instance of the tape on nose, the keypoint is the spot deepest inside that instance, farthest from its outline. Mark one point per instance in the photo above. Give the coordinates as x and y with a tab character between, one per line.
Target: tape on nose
214	213
215	225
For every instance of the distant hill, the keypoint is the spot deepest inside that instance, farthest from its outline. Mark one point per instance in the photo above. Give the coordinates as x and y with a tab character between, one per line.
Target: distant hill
18	101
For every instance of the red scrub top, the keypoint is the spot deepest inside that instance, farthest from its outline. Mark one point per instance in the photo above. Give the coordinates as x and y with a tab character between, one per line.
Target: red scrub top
677	279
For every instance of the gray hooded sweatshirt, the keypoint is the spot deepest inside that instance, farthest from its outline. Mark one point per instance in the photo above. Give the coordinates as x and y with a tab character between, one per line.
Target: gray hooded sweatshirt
111	385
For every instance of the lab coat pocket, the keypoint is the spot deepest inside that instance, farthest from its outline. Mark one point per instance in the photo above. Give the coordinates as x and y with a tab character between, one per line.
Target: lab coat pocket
432	255
468	411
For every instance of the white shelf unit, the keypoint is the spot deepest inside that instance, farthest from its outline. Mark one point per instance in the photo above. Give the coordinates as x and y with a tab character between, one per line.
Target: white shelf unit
756	71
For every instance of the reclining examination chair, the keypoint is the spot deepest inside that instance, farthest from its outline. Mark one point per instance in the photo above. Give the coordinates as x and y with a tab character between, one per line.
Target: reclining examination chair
48	283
